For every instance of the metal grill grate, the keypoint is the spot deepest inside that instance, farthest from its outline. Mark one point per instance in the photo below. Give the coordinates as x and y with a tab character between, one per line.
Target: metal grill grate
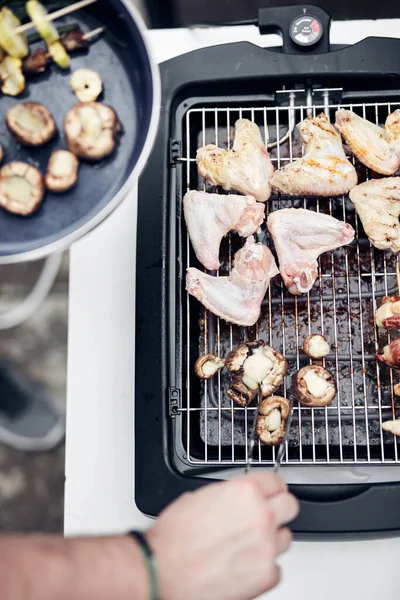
214	430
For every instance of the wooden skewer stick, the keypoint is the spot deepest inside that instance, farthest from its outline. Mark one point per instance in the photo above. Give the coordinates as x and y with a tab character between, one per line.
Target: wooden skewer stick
56	14
91	34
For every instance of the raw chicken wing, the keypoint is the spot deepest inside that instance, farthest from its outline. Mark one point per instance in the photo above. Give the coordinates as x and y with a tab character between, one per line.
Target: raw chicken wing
300	236
377	203
246	168
237	298
324	169
368	142
392	128
209	217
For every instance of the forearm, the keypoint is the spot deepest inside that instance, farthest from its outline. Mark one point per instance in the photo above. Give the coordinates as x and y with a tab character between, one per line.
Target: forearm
53	568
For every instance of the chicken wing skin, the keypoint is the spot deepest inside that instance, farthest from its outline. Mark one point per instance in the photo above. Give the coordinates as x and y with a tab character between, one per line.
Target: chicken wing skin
209	217
368	142
246	168
392	128
377	203
300	236
324	169
237	298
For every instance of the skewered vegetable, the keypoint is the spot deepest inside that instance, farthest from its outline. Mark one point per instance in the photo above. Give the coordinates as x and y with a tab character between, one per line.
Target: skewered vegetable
74	40
86	84
314	386
207	365
31	123
59	55
12	80
62	171
36	63
316	346
273	414
91	130
38	14
14	44
21	188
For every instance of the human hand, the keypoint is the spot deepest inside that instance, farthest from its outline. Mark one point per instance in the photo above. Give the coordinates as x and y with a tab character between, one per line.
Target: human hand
222	541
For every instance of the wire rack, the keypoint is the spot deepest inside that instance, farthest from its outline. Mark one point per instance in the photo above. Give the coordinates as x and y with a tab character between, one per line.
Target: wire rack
341	306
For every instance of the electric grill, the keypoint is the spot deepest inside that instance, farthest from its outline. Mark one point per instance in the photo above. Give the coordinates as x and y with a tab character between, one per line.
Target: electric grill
338	461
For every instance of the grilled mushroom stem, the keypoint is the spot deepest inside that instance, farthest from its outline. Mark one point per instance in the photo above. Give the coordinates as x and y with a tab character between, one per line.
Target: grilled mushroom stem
91	130
392	426
74	40
62	171
31	123
36	62
390	355
388	314
316	346
272	418
314	386
21	188
254	367
207	365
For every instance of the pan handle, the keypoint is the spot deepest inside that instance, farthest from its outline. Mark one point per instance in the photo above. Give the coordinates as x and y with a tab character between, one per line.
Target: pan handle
303	28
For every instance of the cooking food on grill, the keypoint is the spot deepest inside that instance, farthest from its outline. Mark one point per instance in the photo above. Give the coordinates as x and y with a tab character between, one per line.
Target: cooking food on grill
237	298
377	203
207	365
87	85
300	236
62	171
21	188
324	169
392	128
255	368
316	346
48	32
31	123
314	386
390	355
14	44
392	426
36	62
368	142
388	314
273	414
12	80
396	389
246	168
91	130
209	217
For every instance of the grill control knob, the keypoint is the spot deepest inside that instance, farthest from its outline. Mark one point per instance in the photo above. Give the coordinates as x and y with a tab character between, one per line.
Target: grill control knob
306	30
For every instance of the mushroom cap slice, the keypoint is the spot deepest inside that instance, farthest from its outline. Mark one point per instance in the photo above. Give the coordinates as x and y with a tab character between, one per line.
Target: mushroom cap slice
62	171
91	130
86	84
273	414
254	367
207	365
314	386
316	346
31	123
21	188
12	80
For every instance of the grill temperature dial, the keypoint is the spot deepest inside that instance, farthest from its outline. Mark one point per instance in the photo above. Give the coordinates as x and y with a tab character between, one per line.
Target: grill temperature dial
306	30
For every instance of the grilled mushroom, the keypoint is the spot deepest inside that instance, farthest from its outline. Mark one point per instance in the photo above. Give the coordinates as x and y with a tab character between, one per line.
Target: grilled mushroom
31	123
62	171
87	85
390	355
272	418
21	188
12	80
36	62
316	346
314	386
74	40
207	365
388	314
392	426
254	367
91	129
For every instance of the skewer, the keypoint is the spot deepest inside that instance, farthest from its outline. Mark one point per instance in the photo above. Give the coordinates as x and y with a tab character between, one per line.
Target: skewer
90	34
56	14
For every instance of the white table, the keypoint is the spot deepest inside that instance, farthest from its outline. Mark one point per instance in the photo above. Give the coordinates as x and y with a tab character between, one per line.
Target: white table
100	450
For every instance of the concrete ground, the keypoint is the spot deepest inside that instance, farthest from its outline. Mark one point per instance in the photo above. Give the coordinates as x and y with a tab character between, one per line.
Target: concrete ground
32	484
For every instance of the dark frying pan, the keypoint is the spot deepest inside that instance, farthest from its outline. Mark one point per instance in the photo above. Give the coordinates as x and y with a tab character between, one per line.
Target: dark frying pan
131	87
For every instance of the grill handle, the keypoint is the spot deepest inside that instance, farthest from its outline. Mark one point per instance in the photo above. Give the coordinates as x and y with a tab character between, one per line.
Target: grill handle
282	19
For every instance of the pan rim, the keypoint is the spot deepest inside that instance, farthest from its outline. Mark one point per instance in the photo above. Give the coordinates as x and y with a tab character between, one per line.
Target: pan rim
65	241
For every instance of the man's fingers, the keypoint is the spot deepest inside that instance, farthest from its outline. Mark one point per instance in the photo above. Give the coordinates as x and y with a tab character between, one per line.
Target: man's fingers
284	540
268	483
284	508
